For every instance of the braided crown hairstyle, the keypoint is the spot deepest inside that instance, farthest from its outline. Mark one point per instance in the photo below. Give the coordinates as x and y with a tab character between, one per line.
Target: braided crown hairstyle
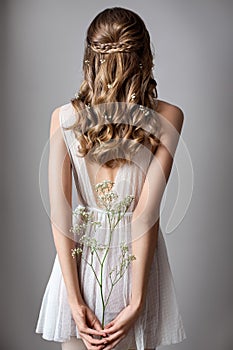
117	67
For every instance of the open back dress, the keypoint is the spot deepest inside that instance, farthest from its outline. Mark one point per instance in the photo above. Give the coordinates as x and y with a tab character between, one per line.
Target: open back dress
160	322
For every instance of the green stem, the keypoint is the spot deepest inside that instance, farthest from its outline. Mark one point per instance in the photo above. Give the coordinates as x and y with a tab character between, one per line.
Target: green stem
103	315
101	272
109	295
91	266
98	257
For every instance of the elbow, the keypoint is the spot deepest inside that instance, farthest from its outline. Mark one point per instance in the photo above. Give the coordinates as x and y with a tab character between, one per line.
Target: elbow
145	221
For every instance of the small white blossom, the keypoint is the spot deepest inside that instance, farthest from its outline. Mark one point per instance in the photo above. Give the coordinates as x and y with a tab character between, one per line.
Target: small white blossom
76	251
114	210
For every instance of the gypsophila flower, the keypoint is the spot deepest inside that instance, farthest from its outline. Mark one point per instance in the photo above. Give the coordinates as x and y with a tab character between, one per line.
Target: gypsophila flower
77	95
114	210
133	96
124	247
104	185
78	228
76	251
144	110
107	117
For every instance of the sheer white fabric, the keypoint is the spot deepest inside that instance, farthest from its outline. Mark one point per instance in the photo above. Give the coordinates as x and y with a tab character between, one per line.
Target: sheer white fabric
160	322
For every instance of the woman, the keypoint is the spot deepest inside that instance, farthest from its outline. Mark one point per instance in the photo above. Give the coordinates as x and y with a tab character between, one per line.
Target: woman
133	145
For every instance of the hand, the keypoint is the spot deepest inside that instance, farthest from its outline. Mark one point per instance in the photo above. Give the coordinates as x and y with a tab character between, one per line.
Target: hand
120	326
89	327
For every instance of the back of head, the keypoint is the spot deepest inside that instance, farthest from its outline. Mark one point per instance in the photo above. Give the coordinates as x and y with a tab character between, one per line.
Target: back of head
117	67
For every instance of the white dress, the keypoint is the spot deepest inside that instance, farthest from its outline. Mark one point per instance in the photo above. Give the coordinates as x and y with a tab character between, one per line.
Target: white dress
160	322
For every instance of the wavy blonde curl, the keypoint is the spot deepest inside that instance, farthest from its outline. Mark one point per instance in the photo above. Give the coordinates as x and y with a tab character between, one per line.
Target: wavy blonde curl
117	100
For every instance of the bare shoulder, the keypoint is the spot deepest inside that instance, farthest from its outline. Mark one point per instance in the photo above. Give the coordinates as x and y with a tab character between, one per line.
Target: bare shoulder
172	113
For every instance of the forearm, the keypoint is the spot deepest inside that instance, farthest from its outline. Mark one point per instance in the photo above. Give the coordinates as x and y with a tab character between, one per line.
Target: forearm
68	265
60	195
145	222
143	248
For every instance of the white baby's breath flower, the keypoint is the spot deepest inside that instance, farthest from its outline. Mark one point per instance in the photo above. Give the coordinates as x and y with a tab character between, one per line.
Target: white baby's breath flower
76	251
124	247
114	210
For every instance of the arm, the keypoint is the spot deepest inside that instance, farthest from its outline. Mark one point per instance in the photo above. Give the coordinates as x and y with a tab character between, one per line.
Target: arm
145	223
60	194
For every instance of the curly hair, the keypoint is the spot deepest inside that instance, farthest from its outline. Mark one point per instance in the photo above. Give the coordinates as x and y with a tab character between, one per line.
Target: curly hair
116	103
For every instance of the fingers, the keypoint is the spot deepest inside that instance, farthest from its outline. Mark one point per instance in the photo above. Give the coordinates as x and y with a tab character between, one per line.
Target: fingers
109	325
112	328
115	336
93	347
106	343
113	343
88	333
94	342
95	324
93	321
91	331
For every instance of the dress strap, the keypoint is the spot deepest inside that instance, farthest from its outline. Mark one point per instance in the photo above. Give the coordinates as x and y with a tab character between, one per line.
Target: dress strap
68	136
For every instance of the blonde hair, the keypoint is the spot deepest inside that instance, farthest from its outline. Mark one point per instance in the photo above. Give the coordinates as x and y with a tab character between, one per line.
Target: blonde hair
117	99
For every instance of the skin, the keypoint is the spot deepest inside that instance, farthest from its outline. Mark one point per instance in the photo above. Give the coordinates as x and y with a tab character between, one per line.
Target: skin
143	246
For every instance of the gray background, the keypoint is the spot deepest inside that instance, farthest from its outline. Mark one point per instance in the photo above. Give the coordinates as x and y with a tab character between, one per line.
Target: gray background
42	46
